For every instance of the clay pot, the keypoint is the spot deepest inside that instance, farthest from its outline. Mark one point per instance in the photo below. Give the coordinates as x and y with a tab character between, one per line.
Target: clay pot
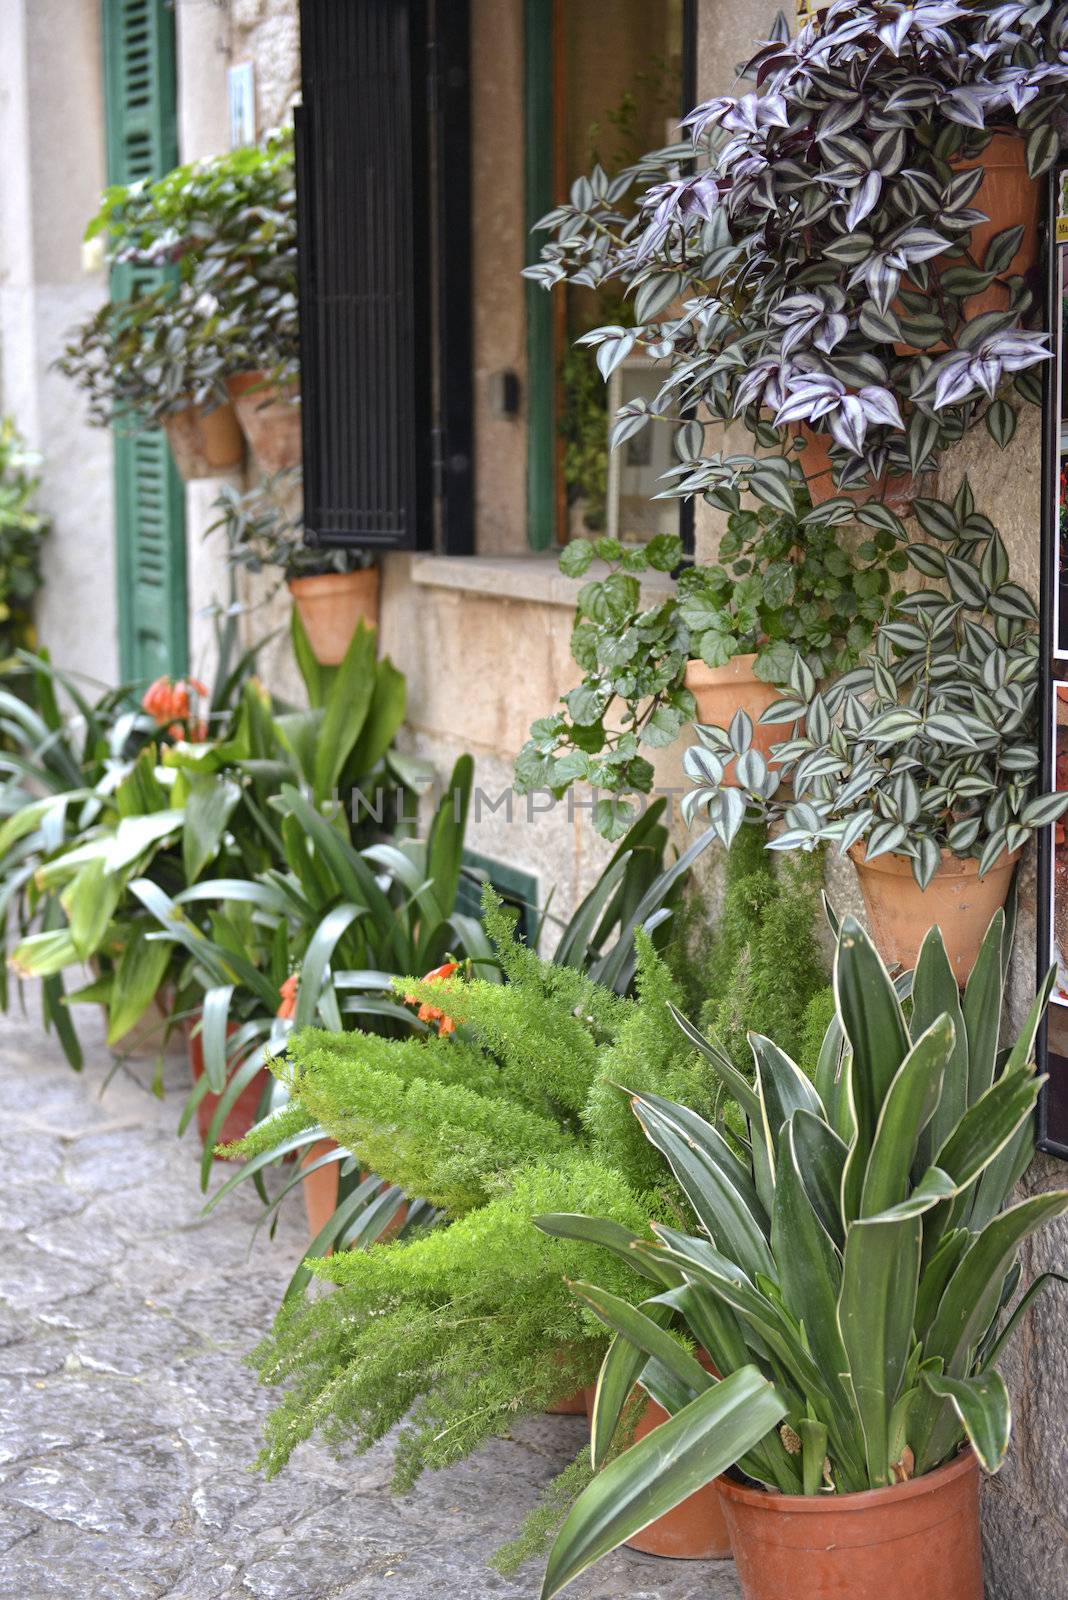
320	1191
269	419
319	1188
919	1539
956	900
721	691
243	1113
1010	198
331	605
204	443
576	1405
897	492
696	1530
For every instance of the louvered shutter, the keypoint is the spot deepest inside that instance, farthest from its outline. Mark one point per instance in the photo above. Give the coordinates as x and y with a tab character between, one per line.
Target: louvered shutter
139	68
365	274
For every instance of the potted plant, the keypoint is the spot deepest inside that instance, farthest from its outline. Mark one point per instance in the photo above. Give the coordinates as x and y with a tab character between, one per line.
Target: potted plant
208	253
816	259
334	590
850	1281
922	762
718	642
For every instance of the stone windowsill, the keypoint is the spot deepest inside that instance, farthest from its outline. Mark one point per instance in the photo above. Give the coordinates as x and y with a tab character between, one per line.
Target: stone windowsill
533	578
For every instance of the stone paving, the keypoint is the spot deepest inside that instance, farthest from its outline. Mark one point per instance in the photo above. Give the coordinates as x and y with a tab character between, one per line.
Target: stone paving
127	1419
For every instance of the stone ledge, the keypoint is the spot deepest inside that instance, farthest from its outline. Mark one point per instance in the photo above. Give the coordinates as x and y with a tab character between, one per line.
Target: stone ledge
536	579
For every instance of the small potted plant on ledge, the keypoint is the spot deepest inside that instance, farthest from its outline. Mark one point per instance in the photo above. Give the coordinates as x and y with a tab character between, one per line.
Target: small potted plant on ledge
717	644
922	762
850	1282
204	310
333	590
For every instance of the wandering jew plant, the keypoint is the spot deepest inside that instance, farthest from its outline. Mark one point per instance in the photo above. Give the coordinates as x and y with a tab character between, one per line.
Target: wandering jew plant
929	745
805	260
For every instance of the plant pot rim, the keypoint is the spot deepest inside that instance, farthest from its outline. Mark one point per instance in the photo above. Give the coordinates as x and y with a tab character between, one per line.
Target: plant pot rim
962	1465
896	865
741	666
315	582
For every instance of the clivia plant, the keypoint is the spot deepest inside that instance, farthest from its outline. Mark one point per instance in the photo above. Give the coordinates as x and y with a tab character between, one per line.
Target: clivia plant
815	260
928	749
849	1271
783	585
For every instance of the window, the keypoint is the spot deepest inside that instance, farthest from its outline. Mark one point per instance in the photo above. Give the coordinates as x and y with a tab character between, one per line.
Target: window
593	94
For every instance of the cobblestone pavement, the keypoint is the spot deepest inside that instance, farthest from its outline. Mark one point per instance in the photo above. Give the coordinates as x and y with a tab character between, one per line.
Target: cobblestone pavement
127	1419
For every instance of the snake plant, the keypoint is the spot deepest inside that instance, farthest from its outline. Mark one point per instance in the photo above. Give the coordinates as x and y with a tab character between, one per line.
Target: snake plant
853	1260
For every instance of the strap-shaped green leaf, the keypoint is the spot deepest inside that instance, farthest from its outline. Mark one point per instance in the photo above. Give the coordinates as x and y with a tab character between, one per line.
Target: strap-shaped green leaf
783	1089
880	1275
821	1158
871	1015
968	1306
737	1085
908	1107
665	1467
982	1404
648	1335
982	1009
935	994
712	1178
609	1235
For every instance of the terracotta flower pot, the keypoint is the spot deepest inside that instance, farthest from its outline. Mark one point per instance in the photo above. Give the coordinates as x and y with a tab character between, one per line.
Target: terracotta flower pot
242	1114
204	443
576	1405
331	604
919	1539
956	900
898	492
721	691
269	419
696	1530
1010	198
320	1190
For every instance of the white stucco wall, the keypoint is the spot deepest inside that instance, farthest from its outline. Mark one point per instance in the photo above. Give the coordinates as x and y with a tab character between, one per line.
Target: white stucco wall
51	185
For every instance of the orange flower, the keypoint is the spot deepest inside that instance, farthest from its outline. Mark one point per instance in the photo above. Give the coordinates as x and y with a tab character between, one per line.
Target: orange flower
429	1013
288	992
168	702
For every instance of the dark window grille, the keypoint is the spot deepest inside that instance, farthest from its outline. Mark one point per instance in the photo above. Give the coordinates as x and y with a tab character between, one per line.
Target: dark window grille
365	279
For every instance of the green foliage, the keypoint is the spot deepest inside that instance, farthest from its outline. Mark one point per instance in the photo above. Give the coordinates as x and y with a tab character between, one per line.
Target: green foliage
22	534
451	1335
264	529
648	1054
931	745
819	1014
765	964
779	588
522	1098
854	1288
543	1523
222	233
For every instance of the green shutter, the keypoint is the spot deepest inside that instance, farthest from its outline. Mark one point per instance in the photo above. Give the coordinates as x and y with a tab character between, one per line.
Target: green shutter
142	142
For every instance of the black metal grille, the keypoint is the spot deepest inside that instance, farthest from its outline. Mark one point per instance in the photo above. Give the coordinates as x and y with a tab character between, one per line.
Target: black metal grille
364	256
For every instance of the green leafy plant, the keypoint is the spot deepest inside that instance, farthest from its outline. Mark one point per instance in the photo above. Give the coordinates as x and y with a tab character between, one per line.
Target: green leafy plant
856	1261
473	1324
22	533
180	807
782	585
636	890
215	241
264	528
930	745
